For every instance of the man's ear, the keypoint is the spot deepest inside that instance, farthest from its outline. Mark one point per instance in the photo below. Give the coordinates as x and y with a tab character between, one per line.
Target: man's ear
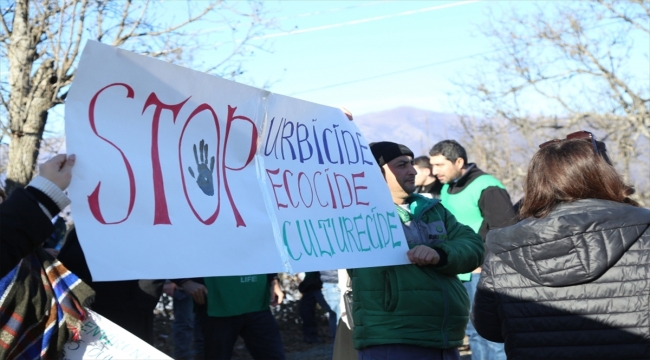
459	163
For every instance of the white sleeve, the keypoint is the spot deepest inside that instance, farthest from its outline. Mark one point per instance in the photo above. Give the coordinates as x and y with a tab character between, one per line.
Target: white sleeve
52	191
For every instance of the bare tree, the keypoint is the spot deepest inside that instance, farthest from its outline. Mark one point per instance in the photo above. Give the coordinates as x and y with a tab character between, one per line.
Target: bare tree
41	41
497	148
4	158
565	66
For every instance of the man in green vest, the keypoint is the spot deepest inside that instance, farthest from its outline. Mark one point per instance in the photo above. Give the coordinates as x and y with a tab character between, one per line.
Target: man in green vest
479	201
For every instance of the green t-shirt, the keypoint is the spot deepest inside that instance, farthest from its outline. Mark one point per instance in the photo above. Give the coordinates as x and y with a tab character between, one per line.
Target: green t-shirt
236	295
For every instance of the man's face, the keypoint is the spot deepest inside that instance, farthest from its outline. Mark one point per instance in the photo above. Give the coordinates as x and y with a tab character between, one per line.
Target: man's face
445	170
422	175
400	176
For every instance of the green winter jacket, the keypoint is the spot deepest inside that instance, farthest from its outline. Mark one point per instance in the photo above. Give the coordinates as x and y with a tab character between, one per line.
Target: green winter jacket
418	305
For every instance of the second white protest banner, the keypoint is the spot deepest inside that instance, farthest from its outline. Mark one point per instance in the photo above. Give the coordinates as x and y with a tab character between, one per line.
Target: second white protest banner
182	174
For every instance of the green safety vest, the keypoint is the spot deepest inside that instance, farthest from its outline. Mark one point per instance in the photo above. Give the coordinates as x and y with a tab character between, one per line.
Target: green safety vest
464	205
237	295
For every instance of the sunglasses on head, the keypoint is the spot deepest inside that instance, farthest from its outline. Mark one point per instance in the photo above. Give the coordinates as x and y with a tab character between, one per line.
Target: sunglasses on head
586	135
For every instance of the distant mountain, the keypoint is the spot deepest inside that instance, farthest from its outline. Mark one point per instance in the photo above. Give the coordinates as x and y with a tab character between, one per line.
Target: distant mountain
416	128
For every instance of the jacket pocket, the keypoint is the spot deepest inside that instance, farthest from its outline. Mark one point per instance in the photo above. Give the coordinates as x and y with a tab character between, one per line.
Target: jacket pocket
390	291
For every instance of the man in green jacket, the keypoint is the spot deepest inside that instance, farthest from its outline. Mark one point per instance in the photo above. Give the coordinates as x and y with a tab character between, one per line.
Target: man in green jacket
418	310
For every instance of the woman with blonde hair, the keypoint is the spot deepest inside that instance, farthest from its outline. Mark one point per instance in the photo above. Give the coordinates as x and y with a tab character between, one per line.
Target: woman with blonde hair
572	279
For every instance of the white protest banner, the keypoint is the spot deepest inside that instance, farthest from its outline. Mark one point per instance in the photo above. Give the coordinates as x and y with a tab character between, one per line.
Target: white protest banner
182	174
102	339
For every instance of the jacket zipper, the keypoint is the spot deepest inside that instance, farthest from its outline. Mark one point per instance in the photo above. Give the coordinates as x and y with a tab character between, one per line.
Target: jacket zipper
443	326
417	221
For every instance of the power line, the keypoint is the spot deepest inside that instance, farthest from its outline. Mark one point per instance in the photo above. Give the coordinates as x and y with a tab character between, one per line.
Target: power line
303	15
355	22
416	68
366	20
327	11
394	72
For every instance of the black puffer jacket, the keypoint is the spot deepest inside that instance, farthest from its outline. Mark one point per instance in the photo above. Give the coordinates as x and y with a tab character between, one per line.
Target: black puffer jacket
572	285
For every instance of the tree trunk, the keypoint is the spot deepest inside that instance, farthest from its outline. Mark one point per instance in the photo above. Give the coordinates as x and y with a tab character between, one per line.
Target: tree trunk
31	96
23	150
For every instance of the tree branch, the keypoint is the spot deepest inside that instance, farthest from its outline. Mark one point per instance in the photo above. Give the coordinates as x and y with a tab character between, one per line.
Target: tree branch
100	21
65	58
626	18
125	16
7	33
72	51
121	40
4	102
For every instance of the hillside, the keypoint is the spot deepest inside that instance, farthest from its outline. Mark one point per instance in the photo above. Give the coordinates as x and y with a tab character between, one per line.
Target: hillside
418	129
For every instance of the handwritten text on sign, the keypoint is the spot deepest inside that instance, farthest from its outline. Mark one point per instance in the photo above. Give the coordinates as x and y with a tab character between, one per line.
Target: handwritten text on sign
102	339
159	147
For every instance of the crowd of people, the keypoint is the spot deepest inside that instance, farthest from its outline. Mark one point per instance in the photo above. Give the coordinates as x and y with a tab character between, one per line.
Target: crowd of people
562	274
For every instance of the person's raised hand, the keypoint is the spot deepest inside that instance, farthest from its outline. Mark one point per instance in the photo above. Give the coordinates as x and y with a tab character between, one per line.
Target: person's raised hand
347	113
58	170
276	294
423	255
198	291
169	288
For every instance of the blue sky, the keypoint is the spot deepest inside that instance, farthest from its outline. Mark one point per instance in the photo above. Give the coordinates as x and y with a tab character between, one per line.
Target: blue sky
369	55
366	56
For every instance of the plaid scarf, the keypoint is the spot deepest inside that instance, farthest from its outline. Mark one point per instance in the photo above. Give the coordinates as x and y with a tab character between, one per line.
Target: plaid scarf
41	308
